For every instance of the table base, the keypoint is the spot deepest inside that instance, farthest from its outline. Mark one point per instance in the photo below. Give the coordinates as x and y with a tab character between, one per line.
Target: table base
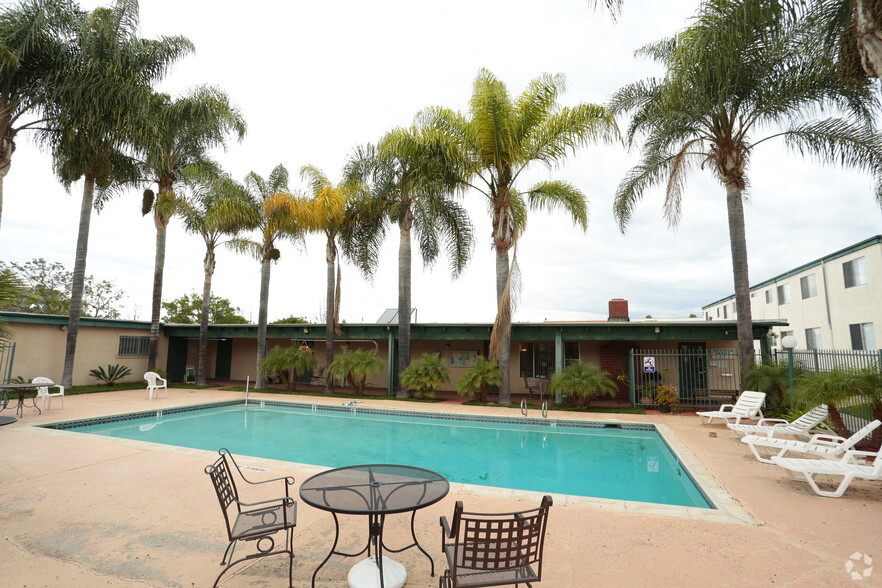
366	574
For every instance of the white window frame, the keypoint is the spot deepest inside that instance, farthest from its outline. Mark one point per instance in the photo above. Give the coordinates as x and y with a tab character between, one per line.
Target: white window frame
783	294
854	272
808	286
769	297
863	336
814	338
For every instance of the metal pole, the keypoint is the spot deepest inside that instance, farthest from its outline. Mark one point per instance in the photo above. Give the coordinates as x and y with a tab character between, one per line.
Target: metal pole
790	377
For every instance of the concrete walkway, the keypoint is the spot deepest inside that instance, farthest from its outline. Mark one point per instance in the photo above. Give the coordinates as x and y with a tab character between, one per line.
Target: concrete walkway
82	510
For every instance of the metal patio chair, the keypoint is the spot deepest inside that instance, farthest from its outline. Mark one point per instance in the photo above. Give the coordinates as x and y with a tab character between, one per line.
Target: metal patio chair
494	549
255	521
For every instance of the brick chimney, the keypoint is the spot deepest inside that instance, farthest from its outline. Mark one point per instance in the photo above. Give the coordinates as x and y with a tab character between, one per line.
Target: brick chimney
618	311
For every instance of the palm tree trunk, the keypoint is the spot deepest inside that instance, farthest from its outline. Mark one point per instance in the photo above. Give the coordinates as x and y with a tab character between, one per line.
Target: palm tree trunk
330	309
869	39
78	280
504	357
738	244
7	146
261	318
404	263
161	223
208	268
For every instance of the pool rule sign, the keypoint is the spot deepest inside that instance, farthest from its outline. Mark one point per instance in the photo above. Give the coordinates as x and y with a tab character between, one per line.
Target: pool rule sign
648	365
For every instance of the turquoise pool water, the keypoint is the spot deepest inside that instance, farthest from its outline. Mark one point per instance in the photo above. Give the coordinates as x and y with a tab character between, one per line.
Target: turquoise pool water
582	458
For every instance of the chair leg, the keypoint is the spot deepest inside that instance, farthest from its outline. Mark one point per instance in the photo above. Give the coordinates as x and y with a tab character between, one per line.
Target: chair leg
840	490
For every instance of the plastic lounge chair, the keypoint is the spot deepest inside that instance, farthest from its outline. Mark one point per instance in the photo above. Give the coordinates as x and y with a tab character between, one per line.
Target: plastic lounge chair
803	426
256	521
43	392
748	406
154	383
829	446
494	549
845	467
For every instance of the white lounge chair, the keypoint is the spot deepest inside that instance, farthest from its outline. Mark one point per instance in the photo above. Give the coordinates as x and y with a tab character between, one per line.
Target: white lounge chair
43	392
154	384
845	467
748	406
804	425
829	446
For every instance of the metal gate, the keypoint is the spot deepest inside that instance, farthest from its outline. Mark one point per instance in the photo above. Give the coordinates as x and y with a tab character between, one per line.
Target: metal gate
702	377
7	354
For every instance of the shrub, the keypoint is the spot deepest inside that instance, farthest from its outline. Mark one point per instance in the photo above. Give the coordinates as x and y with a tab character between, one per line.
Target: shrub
114	374
583	382
425	376
474	382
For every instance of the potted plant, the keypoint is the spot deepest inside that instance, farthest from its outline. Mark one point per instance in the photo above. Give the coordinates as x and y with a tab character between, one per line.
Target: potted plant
667	398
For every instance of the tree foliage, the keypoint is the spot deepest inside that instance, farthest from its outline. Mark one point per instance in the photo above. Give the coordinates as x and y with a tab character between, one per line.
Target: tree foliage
283	361
188	310
582	382
354	367
476	380
425	375
47	287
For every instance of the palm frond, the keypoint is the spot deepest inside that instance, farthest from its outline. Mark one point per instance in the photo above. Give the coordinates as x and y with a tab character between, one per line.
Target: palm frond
562	196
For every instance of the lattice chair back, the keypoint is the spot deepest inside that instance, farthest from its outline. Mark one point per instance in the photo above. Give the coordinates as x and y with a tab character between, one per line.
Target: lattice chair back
225	488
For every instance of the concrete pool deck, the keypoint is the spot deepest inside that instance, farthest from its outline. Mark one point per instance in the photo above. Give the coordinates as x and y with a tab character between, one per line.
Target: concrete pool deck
83	510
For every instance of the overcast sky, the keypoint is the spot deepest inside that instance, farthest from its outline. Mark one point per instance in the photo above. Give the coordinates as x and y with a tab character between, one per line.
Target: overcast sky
315	79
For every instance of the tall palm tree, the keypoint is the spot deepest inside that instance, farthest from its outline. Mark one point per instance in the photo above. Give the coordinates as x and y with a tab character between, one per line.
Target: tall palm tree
277	211
735	79
214	208
36	37
328	211
411	176
99	103
498	140
177	134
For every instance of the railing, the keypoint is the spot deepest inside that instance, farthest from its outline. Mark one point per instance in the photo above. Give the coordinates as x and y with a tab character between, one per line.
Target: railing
702	377
7	354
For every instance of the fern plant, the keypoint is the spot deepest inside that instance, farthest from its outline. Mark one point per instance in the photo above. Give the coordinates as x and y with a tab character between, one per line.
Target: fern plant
114	374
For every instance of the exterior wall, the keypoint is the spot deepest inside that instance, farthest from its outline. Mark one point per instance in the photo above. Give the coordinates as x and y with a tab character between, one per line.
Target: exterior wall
832	310
39	351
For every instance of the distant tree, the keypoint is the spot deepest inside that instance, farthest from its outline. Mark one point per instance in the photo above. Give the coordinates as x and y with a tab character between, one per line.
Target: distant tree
188	310
11	288
47	288
291	320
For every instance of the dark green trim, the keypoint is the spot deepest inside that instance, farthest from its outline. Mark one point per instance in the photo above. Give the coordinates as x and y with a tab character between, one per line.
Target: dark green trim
789	274
57	319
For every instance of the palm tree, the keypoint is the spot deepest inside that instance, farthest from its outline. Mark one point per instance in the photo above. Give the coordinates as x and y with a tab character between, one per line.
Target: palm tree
737	78
583	381
426	375
355	366
327	212
35	35
177	134
98	105
412	178
475	381
214	208
497	141
284	361
278	212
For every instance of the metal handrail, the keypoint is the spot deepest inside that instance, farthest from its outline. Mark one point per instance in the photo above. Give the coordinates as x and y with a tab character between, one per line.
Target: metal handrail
545	409
524	407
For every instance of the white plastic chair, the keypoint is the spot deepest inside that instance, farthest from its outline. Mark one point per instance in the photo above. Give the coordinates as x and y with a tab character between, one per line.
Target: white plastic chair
845	467
803	426
43	392
828	446
154	383
748	406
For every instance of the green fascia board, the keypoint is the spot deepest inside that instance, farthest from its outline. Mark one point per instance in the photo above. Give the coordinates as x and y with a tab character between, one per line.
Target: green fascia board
59	319
798	270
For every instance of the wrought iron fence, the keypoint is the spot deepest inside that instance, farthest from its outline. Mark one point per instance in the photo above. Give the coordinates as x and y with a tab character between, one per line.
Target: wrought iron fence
825	360
7	354
703	377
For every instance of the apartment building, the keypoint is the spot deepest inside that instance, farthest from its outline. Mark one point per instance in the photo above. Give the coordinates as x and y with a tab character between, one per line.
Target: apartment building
834	302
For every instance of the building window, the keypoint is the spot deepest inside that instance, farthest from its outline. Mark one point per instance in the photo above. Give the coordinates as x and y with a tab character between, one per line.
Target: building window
537	359
862	336
769	299
813	338
855	272
133	346
809	286
783	294
571	352
725	312
718	312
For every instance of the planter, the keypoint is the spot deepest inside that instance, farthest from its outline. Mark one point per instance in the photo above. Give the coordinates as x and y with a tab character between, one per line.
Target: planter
664	409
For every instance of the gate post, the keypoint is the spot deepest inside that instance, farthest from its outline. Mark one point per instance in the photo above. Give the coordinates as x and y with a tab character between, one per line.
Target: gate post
631	388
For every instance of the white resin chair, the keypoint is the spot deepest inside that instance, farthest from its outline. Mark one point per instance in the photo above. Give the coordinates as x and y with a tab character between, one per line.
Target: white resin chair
803	426
829	446
154	384
845	467
43	392
748	406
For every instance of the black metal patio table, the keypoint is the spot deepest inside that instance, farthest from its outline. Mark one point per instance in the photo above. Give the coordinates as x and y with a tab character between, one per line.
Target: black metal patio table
374	490
22	389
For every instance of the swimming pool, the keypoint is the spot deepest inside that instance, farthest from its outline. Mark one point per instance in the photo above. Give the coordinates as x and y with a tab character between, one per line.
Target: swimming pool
582	458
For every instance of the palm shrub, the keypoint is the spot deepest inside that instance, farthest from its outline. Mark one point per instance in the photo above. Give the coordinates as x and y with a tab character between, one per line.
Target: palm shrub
425	375
582	382
773	378
354	367
843	389
284	360
113	374
474	381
